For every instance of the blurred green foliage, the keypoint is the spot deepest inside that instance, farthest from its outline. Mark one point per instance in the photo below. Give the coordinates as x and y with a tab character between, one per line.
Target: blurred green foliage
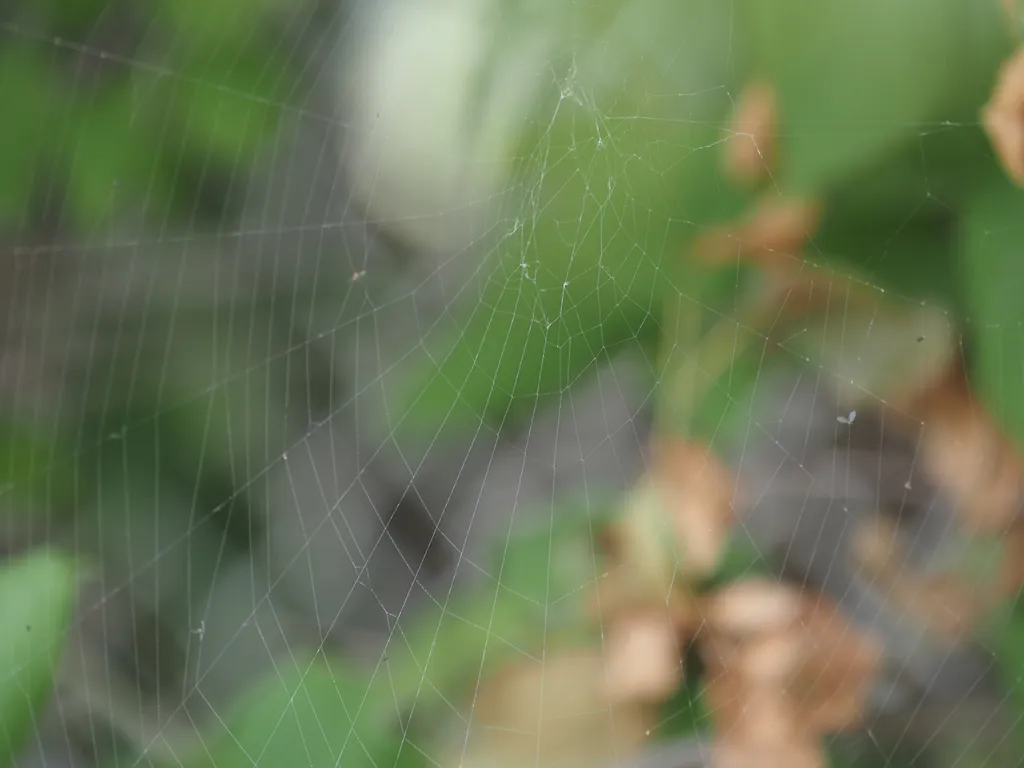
878	107
145	108
327	712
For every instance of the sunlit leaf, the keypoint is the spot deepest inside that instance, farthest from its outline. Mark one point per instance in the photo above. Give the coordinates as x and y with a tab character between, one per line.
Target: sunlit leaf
36	596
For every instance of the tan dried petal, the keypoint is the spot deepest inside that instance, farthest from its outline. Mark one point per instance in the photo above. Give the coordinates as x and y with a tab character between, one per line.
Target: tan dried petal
643	659
773	235
702	539
696	489
1003	117
752	606
552	713
751	713
772	660
750	152
768	719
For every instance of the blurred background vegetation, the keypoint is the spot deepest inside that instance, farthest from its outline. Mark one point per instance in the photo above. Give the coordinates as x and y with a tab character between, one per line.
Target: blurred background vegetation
280	282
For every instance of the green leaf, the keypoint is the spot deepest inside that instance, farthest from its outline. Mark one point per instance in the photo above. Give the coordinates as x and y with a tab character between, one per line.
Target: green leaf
553	560
35	470
855	80
324	712
713	351
874	349
213	24
216	417
686	713
73	17
993	273
913	257
319	714
30	111
856	751
36	598
228	103
112	157
537	600
1004	636
618	170
724	406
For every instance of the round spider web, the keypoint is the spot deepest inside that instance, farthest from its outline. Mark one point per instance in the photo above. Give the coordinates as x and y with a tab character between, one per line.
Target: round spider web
232	396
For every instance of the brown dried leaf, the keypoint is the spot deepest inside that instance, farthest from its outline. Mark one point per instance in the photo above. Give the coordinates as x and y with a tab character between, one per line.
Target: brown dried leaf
946	605
620	593
772	235
1003	117
750	152
765	640
644	660
875	547
966	454
840	665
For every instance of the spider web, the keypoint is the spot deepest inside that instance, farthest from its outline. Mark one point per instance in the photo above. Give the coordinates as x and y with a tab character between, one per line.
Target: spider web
253	497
